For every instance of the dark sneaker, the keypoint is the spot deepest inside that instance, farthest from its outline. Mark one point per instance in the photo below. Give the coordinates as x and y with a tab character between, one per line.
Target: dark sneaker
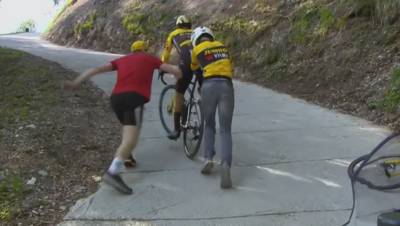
174	135
116	182
226	181
207	168
130	162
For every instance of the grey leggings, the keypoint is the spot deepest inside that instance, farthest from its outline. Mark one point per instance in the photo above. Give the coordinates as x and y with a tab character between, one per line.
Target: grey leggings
218	94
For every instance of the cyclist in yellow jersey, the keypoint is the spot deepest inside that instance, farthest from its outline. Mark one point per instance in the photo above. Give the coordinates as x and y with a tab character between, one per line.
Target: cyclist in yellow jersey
180	39
216	94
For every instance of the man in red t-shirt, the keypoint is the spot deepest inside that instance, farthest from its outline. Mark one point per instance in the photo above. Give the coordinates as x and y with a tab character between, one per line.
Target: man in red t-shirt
131	91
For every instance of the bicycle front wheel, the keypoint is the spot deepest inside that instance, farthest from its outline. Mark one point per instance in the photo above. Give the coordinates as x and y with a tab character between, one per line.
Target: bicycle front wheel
193	132
166	107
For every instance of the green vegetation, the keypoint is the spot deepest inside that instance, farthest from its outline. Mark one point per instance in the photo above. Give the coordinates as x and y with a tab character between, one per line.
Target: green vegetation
277	71
300	31
136	5
362	7
67	4
341	23
133	20
23	84
271	54
240	33
327	20
149	24
133	23
391	100
387	11
87	25
28	25
11	194
262	7
234	29
242	25
312	22
384	12
8	56
389	36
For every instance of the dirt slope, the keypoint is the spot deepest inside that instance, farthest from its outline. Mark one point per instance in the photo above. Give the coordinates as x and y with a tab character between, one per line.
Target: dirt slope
341	54
54	145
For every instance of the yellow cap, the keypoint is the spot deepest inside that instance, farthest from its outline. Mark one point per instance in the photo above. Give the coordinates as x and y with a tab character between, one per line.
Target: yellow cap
139	46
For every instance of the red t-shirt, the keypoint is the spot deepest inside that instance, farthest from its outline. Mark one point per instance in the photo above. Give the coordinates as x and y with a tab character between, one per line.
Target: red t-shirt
135	73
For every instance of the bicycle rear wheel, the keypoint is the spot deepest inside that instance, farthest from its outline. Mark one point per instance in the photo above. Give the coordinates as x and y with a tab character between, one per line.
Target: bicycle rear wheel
166	107
193	133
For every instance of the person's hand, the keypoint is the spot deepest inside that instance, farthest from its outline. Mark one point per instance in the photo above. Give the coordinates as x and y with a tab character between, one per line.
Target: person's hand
70	85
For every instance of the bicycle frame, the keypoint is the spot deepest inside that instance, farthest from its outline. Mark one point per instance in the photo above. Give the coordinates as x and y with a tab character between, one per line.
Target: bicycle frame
191	122
191	101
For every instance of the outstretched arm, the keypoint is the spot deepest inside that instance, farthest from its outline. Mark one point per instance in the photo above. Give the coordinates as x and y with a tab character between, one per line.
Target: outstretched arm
171	69
72	85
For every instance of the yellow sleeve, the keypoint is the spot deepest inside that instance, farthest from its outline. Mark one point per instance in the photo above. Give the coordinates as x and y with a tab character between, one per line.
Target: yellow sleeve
231	60
195	63
167	49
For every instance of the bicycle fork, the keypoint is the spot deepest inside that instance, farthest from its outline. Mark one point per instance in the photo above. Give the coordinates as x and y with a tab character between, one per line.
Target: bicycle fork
187	114
184	117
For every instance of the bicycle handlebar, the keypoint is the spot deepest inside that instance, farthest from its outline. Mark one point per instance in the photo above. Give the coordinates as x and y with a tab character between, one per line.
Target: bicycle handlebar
161	76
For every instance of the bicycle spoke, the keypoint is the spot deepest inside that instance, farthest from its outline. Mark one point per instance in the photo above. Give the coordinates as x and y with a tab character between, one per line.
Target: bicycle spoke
193	132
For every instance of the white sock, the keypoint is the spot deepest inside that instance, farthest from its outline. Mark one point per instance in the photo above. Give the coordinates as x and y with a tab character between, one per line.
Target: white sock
117	166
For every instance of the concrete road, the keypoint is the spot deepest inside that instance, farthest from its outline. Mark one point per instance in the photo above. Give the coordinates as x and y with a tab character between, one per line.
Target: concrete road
289	168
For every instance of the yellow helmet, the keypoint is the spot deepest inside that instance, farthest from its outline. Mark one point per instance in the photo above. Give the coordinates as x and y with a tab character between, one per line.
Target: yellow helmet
182	19
139	45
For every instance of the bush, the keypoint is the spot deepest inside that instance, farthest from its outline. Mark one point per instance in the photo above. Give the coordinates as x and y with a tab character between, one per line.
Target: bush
8	56
277	71
11	194
61	12
300	31
311	22
364	7
327	20
133	23
16	100
149	24
382	11
387	11
27	26
87	25
237	25
391	98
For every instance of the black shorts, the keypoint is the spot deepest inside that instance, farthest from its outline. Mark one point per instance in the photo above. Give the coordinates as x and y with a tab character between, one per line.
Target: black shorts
187	74
128	108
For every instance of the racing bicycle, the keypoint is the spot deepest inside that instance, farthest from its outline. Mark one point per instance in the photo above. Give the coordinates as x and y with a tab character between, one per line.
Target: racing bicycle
191	119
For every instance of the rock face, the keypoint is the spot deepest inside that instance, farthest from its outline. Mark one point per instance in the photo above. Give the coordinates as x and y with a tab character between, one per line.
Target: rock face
81	24
339	54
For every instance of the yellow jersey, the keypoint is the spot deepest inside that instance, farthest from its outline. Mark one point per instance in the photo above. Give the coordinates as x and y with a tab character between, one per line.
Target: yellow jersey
180	38
213	58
